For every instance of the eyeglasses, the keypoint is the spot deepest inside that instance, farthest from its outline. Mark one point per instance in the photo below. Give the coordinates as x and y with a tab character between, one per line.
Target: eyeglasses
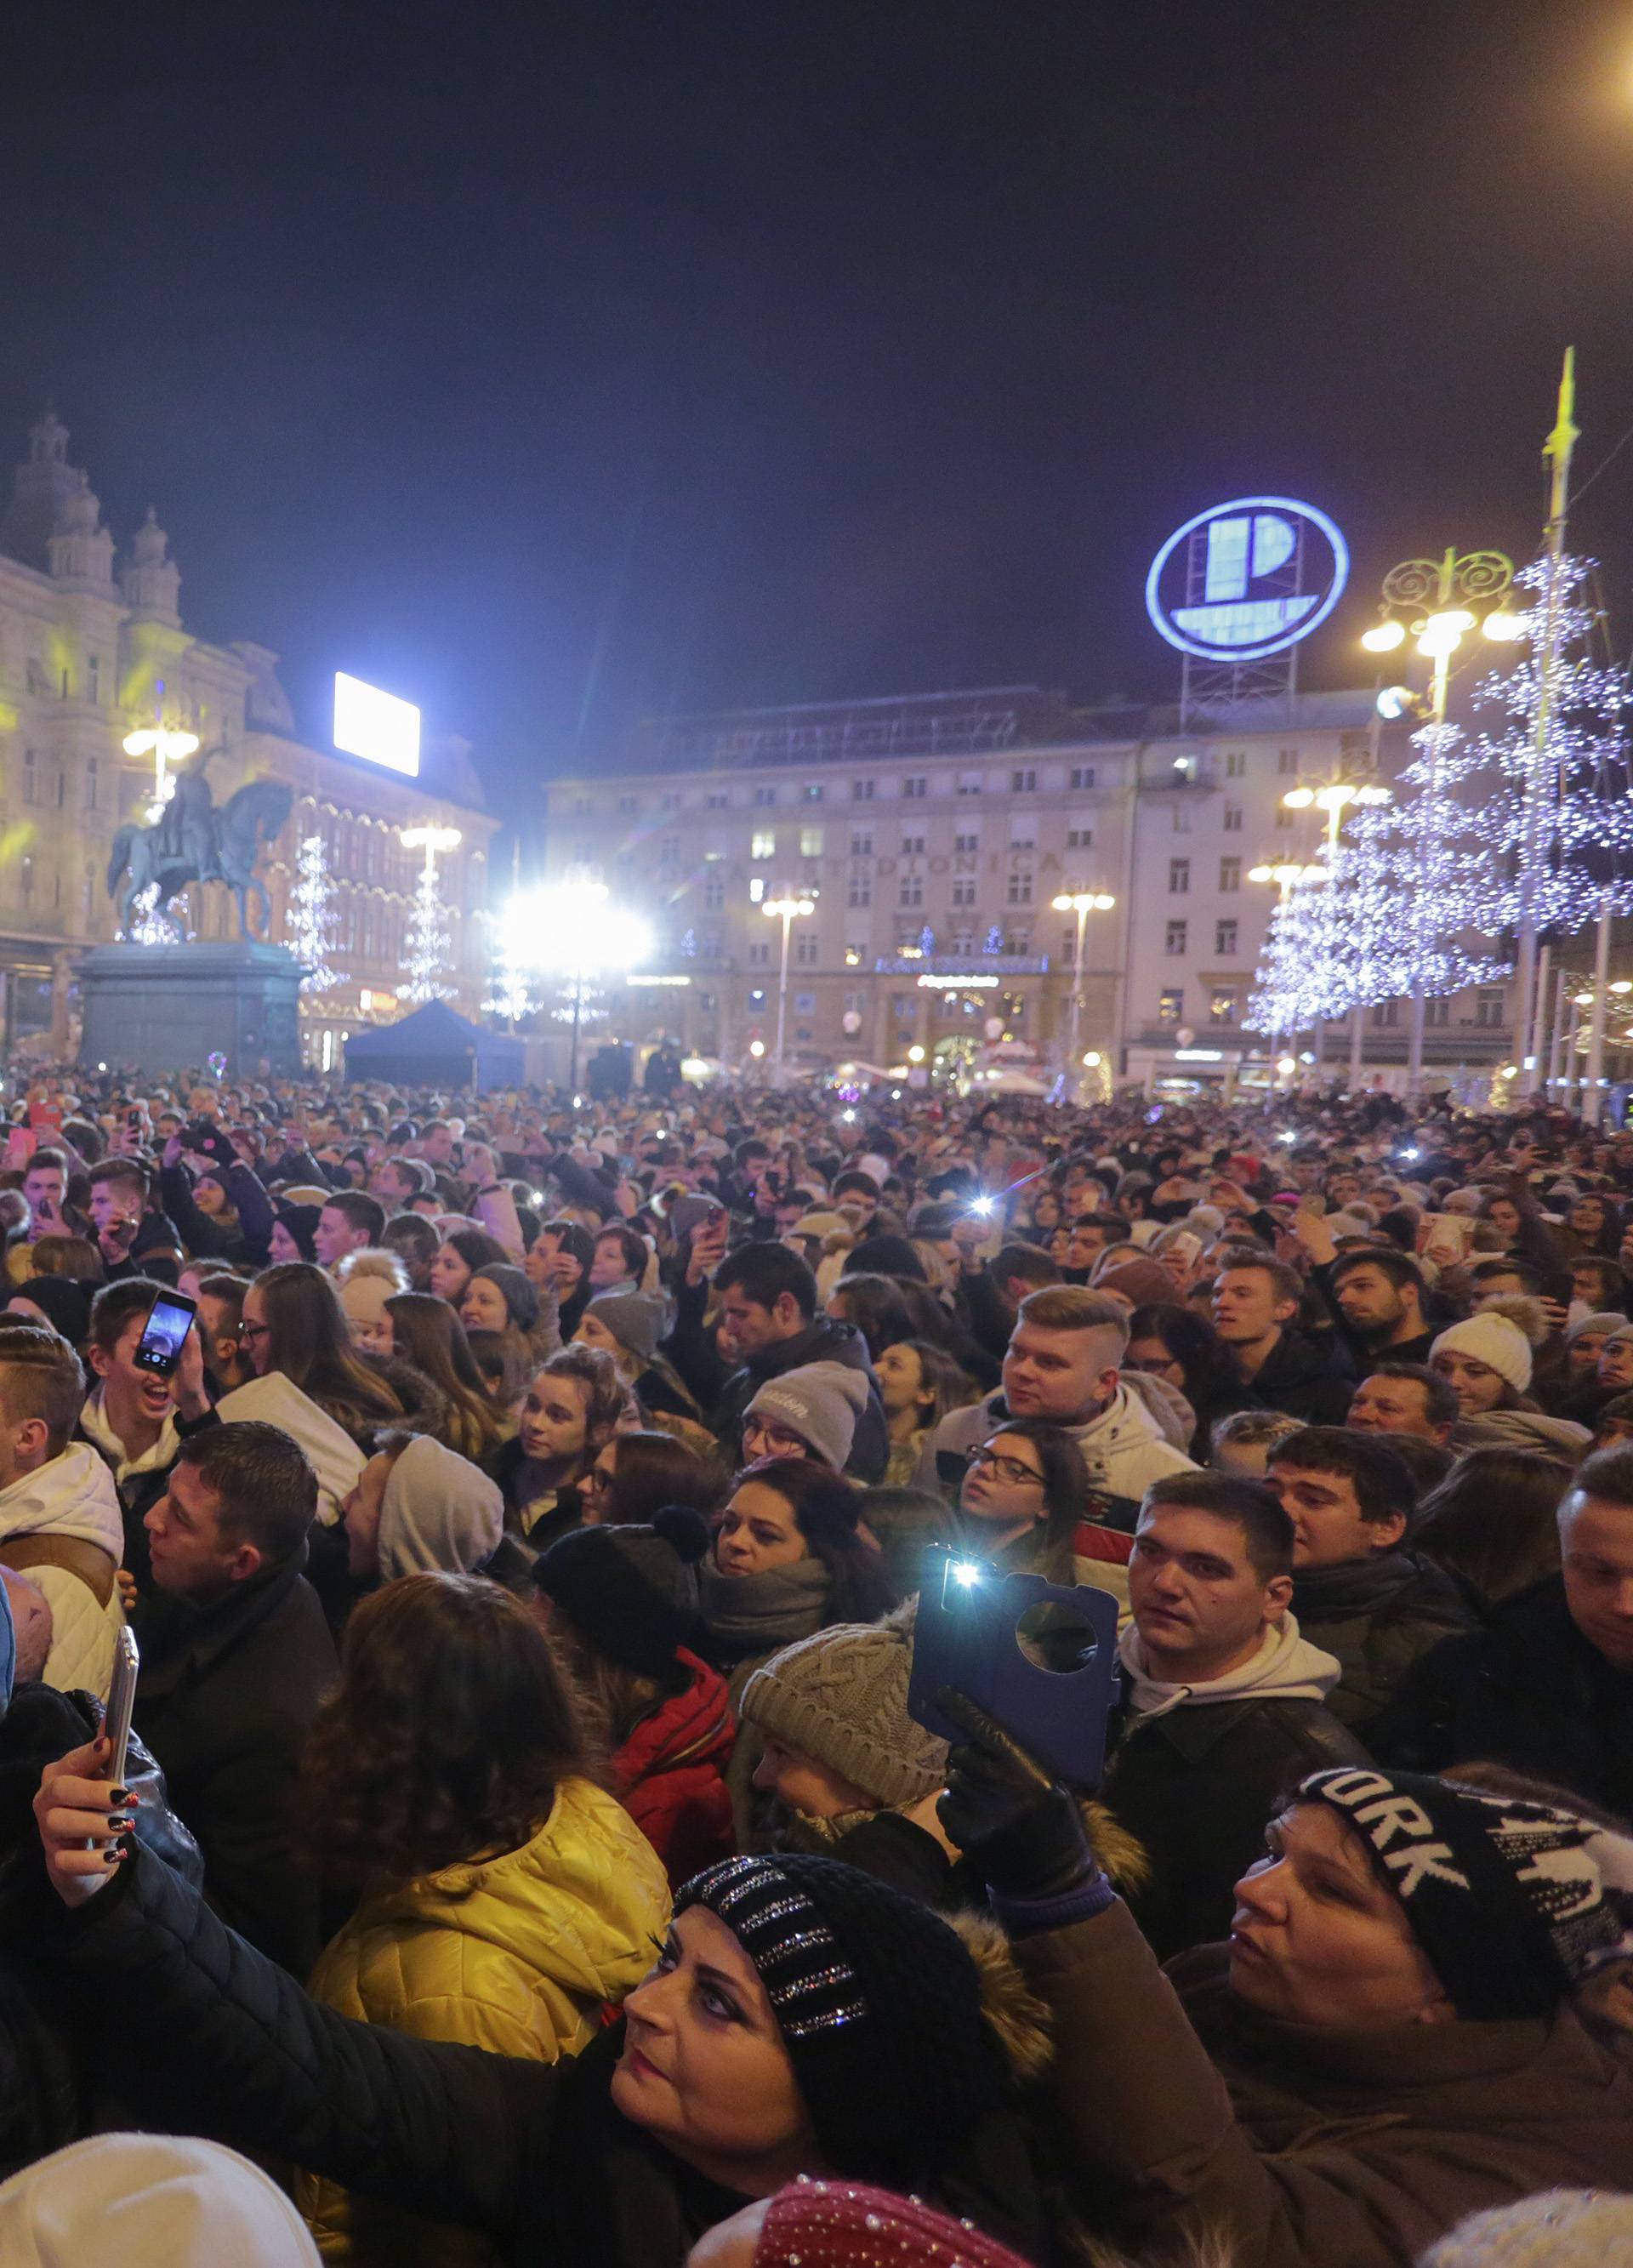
597	1478
773	1440
1007	1468
255	1330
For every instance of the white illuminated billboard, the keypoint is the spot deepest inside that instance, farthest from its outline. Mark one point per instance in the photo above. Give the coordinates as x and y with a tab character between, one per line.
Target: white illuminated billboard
376	725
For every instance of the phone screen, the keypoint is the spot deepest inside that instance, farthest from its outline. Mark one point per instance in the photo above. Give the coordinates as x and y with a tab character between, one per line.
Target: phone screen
168	1321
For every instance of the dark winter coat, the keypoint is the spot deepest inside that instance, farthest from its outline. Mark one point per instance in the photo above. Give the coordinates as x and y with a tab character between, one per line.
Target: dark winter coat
1304	1380
822	1340
534	2155
1196	1787
1378	1615
1528	1691
670	1774
1299	2147
225	1698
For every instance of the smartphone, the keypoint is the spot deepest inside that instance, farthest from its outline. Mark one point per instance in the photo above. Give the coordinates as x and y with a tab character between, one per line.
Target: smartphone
1039	1657
20	1145
132	1122
46	1118
121	1697
169	1320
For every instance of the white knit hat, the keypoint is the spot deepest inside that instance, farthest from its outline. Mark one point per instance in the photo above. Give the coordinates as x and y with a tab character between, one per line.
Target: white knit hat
1492	1340
1556	2229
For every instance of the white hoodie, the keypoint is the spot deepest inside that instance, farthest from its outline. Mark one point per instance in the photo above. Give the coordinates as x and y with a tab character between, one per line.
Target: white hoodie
1123	1447
331	1452
72	1495
1286	1668
149	2201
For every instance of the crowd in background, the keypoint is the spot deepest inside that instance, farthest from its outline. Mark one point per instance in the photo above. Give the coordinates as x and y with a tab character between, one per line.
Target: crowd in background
527	1851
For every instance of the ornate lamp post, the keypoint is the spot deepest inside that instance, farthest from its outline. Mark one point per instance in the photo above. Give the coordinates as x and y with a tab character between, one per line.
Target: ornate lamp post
1083	903
788	910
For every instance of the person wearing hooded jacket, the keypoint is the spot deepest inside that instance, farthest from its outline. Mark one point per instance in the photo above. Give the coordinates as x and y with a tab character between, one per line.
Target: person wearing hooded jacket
417	1506
138	2200
1061	1366
1223	1700
60	1517
624	1601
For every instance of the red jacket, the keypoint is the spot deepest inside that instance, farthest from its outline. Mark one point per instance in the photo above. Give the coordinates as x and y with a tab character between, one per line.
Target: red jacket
669	1774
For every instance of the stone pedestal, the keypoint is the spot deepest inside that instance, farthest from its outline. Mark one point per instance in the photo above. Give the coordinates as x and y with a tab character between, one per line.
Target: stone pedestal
158	1007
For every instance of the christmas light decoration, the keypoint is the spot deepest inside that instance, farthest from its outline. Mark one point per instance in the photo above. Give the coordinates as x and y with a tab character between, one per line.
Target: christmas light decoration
312	917
428	946
153	924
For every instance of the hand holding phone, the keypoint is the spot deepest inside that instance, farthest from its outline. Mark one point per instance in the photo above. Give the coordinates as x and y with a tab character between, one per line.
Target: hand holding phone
169	1320
121	1697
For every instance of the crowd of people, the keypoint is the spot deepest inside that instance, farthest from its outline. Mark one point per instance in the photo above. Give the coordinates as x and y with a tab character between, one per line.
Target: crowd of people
527	1851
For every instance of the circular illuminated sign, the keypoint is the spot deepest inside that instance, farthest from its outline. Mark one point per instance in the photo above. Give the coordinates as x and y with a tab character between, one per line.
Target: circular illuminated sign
1247	578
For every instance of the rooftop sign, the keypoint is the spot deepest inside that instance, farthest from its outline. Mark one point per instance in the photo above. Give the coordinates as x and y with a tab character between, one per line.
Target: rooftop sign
1247	578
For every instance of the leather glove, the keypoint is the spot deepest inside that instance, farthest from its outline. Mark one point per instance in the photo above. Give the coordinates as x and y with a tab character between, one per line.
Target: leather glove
1022	1830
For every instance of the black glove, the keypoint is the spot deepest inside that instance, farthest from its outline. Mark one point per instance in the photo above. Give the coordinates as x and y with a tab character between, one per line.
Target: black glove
1022	1830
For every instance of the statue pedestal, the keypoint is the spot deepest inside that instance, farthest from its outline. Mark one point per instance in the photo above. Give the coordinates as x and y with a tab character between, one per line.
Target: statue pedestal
160	1007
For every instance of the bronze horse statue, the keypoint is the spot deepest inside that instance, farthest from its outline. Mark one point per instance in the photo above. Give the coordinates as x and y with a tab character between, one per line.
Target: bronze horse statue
193	842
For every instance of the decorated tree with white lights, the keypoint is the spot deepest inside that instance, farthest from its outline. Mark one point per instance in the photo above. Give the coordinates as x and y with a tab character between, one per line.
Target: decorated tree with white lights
312	915
427	946
511	991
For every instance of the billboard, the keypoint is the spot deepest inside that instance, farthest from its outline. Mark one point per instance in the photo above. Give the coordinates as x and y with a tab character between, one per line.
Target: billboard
376	725
1254	577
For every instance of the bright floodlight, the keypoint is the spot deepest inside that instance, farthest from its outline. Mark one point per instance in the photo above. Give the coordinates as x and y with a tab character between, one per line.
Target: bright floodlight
1503	628
1395	701
376	725
982	1205
571	927
1443	633
1383	637
1300	798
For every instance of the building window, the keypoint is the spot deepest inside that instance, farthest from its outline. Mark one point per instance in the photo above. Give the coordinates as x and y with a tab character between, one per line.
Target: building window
626	803
1174	936
28	775
1171	1005
912	846
1283	817
967	845
1230	874
1082	776
763	844
915	790
1384	1015
716	800
1023	783
759	952
1437	1013
1179	877
1080	838
862	791
804	1005
1235	763
714	895
861	842
1287	760
91	784
858	891
1181	819
812	791
1222	1007
765	796
1224	939
669	849
1232	819
807	948
1489	1011
93	678
964	890
1022	837
912	891
970	783
1020	889
811	842
904	1005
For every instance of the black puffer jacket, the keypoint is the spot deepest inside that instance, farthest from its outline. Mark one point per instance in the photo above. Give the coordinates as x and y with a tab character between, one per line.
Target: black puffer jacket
536	2155
1378	1615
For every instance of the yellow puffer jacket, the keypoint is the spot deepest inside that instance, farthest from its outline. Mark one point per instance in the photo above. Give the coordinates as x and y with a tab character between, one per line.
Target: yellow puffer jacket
515	1955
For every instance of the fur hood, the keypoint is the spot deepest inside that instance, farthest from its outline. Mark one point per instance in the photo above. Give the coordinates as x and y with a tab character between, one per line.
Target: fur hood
1019	2020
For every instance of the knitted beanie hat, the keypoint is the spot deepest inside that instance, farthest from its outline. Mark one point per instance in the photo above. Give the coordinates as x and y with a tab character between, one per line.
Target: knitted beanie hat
635	1319
1492	1340
632	1591
840	1698
1600	1325
1143	1283
843	2224
819	1401
516	1288
1555	2228
877	2001
1505	1896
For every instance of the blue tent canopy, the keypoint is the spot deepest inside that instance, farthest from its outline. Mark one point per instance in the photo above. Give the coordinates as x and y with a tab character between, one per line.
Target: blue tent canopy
435	1047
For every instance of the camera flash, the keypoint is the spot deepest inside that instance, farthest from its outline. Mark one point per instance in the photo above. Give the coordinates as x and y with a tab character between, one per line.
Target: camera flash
965	1573
850	1118
982	1205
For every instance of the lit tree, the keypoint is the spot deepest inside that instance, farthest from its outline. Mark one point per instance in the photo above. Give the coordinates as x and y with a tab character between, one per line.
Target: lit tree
153	924
426	948
510	994
312	917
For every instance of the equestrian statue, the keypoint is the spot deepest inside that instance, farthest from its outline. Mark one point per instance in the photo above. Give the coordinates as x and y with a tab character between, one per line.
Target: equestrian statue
193	842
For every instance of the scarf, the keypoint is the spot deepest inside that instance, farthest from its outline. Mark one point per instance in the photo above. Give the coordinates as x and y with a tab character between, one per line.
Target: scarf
758	1614
1285	1668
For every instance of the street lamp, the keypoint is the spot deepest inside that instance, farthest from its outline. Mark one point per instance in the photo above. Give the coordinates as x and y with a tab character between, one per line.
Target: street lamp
569	928
1083	903
166	747
1435	602
788	912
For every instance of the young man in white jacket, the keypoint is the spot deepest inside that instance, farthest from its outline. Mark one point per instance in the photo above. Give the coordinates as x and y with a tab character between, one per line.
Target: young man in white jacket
60	1519
1061	1367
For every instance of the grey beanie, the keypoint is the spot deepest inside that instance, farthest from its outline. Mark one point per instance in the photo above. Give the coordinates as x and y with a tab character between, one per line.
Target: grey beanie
840	1698
1605	1322
438	1512
634	1318
819	1401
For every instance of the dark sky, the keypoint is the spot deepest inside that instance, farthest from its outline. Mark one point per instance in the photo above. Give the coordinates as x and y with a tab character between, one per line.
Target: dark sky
552	364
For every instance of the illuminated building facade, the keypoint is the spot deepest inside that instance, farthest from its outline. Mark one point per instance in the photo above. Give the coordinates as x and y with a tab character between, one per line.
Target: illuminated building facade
91	651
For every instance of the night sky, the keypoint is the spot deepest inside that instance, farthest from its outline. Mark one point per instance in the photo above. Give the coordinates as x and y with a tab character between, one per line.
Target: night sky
551	366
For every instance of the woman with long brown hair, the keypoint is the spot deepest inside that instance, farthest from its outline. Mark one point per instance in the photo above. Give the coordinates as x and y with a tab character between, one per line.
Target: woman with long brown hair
427	1332
505	1895
293	1323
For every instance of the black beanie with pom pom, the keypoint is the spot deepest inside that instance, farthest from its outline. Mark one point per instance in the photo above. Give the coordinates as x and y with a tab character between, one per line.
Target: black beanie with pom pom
632	1591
